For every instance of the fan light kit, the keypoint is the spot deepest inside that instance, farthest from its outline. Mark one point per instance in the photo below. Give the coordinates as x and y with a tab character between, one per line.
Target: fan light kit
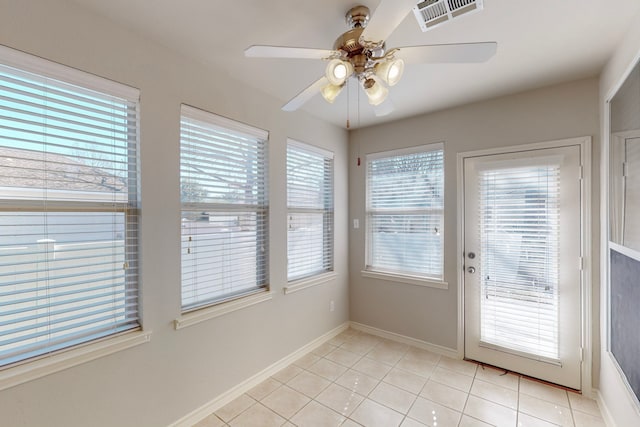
361	52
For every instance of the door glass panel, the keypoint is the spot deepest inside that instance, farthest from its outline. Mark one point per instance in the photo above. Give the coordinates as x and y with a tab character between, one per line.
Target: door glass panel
519	237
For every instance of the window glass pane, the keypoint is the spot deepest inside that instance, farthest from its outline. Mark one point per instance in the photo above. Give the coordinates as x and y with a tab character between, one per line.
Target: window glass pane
310	219
519	226
68	213
224	210
405	212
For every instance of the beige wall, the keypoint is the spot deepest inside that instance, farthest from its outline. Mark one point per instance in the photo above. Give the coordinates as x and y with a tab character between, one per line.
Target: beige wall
428	314
620	406
157	383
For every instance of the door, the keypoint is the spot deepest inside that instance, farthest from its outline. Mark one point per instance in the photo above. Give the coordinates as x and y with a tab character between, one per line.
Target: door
523	263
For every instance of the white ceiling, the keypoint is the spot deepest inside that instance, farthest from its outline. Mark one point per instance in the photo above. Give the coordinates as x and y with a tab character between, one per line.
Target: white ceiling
540	42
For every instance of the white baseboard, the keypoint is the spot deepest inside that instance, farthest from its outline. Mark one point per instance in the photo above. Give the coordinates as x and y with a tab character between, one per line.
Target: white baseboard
235	392
438	349
604	410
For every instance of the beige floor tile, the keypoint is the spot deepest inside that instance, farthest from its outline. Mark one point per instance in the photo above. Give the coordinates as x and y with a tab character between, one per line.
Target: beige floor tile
372	414
287	373
423	368
386	354
459	366
405	380
316	415
583	404
351	423
258	416
340	399
452	379
433	414
490	412
498	377
495	393
526	420
444	395
409	422
548	411
234	408
414	353
323	349
374	369
309	383
544	392
357	382
586	420
211	421
327	369
467	421
307	360
343	357
360	348
393	397
263	389
285	401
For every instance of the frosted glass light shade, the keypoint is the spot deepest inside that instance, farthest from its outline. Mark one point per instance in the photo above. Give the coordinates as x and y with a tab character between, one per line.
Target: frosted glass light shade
330	92
390	71
377	93
338	71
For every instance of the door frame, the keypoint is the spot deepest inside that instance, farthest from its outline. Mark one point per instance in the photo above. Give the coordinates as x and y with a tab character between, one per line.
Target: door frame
586	243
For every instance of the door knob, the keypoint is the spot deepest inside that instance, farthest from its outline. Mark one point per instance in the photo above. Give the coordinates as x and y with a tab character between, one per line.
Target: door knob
471	270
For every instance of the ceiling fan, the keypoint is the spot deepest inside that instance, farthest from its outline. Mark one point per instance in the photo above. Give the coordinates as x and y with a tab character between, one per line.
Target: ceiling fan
361	53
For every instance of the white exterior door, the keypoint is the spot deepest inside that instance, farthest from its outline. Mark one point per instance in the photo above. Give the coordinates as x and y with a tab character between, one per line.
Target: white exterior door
523	264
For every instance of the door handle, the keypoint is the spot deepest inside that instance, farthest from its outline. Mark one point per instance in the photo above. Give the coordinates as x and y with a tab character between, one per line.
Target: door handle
471	270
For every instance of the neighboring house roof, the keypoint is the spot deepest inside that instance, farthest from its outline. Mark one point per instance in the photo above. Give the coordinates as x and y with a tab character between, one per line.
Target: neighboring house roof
21	168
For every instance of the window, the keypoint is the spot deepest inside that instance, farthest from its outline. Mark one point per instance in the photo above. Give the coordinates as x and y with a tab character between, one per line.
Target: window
68	208
405	212
310	210
224	208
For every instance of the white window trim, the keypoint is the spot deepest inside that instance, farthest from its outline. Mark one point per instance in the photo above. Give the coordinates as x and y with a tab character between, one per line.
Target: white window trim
23	372
31	369
321	276
202	314
221	307
33	64
308	282
372	272
405	278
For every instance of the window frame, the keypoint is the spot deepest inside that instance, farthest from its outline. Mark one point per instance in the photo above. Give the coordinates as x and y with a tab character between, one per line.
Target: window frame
76	353
402	276
214	307
326	273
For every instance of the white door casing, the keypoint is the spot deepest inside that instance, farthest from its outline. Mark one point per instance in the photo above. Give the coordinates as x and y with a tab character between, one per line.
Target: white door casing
518	264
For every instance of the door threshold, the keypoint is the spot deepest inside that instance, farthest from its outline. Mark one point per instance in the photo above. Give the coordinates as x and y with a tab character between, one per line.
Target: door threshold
538	380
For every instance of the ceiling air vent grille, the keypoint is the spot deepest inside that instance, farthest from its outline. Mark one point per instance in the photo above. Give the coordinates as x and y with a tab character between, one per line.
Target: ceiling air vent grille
431	13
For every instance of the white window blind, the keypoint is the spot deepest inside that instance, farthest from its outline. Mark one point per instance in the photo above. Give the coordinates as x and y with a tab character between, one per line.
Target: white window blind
223	169
405	211
520	212
310	210
68	208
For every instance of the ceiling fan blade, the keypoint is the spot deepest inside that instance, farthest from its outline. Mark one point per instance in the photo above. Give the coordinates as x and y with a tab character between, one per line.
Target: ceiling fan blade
300	99
258	51
388	15
448	53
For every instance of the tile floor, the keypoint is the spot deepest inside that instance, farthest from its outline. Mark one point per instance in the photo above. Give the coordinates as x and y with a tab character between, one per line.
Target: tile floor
357	379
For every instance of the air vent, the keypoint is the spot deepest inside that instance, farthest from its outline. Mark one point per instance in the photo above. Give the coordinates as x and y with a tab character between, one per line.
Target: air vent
431	13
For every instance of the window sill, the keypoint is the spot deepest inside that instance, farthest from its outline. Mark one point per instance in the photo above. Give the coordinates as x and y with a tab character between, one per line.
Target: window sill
406	279
66	359
204	314
308	282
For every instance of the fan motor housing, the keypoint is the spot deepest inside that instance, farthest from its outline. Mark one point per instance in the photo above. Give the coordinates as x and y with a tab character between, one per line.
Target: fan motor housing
349	42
